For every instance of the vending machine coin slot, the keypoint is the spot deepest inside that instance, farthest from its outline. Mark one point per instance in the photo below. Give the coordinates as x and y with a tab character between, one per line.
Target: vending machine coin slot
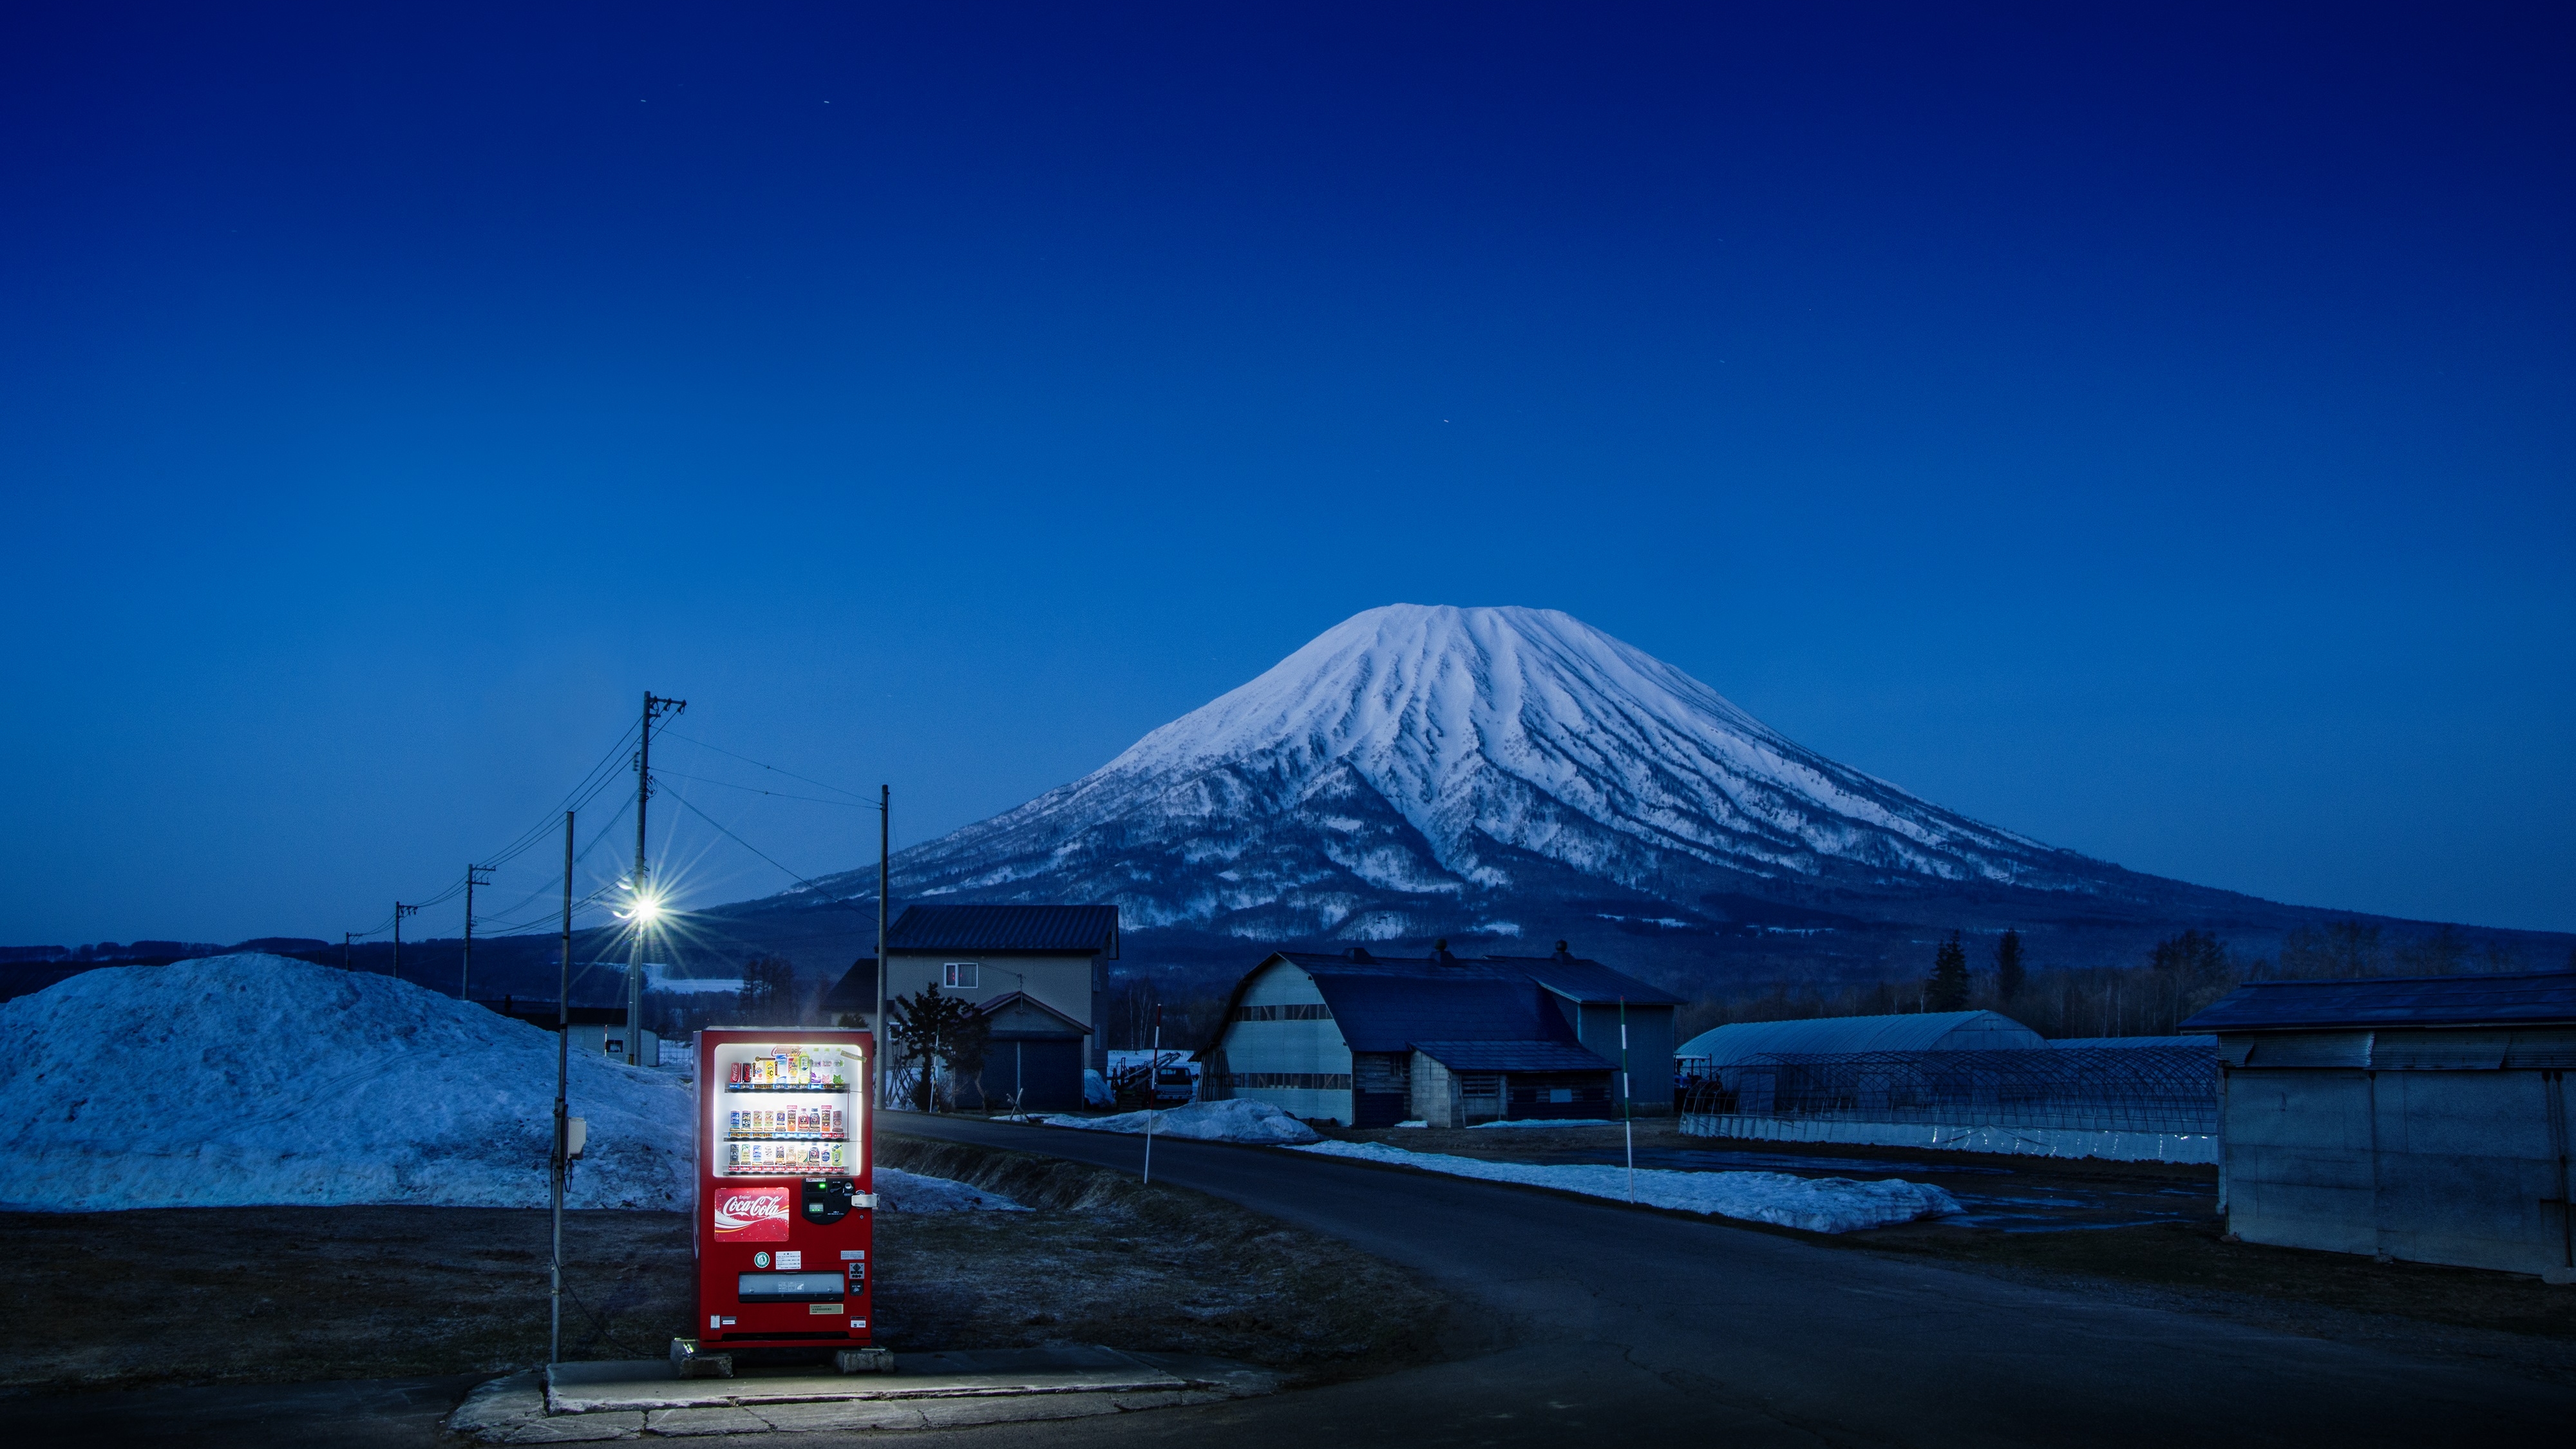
827	1199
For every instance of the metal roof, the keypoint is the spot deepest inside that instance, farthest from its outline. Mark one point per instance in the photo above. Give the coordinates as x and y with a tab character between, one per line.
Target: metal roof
1511	1056
1574	977
1008	1000
1006	930
2527	998
1587	981
1388	1004
1391	1013
2128	1043
1916	1032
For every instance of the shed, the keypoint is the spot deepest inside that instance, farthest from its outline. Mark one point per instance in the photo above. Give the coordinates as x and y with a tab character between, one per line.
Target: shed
2423	1118
1924	1031
600	1029
1034	1054
1369	1041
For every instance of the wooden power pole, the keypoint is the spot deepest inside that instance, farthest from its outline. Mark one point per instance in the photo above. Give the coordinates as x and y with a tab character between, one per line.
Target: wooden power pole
654	708
877	1023
465	973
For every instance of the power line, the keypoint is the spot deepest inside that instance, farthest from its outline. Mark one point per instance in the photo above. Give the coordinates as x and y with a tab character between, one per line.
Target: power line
736	839
790	774
593	781
756	790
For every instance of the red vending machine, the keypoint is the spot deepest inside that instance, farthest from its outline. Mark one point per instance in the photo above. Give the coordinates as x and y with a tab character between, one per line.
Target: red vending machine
785	1192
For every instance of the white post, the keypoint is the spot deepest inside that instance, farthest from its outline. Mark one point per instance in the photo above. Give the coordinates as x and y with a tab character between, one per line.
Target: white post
1150	1058
1627	1100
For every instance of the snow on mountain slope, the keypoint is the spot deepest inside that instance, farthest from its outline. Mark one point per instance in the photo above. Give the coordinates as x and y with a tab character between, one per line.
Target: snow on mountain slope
1416	753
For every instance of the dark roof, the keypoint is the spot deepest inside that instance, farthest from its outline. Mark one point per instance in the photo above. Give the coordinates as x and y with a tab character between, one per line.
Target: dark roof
1578	979
1573	977
1007	930
1391	1003
1009	999
542	1013
2518	999
1391	1013
857	988
1511	1056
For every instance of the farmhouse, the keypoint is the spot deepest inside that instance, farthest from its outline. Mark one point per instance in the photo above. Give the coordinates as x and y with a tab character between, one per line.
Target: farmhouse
1370	1041
1053	956
2419	1118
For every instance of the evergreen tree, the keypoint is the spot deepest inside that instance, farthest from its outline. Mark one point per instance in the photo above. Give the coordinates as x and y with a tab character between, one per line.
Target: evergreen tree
2009	971
768	983
1947	990
942	1042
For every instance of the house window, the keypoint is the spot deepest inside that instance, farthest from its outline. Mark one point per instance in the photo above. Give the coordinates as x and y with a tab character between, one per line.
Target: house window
962	974
615	1047
1560	1094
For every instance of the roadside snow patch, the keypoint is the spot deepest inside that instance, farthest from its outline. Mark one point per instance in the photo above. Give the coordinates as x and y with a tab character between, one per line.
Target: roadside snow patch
1234	1121
910	1192
1817	1204
1541	1122
248	1080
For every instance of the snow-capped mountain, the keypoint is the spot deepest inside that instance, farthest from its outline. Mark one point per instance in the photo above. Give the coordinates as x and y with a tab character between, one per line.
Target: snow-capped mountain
1419	769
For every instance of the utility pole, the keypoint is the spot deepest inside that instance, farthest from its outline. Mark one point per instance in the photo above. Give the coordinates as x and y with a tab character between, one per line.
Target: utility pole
885	812
654	708
563	1068
344	949
400	911
465	974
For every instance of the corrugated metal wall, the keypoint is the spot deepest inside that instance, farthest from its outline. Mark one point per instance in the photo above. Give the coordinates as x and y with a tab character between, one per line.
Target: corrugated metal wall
2432	1146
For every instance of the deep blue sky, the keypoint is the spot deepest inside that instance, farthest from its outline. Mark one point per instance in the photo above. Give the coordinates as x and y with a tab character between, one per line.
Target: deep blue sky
2146	429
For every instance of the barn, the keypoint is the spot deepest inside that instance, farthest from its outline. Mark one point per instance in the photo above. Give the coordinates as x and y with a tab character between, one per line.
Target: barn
1369	1041
2417	1118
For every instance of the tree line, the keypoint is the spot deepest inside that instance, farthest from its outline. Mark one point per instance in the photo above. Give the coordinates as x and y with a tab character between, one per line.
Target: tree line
2181	974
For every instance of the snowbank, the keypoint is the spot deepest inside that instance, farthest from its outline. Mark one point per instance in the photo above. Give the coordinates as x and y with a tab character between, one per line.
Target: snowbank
1817	1204
235	1081
1235	1121
909	1192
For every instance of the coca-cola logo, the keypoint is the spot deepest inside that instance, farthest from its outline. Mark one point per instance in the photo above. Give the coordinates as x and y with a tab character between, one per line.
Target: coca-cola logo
753	1215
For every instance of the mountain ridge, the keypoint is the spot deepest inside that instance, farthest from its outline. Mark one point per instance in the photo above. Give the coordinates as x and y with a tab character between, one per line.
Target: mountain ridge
1419	770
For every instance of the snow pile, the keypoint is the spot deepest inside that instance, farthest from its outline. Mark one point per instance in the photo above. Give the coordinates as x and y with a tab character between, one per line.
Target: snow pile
909	1192
1817	1204
233	1081
1235	1121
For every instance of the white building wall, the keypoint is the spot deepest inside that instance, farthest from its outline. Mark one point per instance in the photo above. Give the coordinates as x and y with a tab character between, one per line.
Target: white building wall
1307	1047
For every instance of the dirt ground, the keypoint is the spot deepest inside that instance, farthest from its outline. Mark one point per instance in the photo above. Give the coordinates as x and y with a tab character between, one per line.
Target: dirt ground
214	1295
2147	1233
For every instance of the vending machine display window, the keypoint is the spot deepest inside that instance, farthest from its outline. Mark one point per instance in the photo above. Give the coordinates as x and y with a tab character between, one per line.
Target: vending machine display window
785	1109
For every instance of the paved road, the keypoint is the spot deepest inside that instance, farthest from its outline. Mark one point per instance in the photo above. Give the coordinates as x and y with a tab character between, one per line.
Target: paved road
1614	1323
1589	1323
